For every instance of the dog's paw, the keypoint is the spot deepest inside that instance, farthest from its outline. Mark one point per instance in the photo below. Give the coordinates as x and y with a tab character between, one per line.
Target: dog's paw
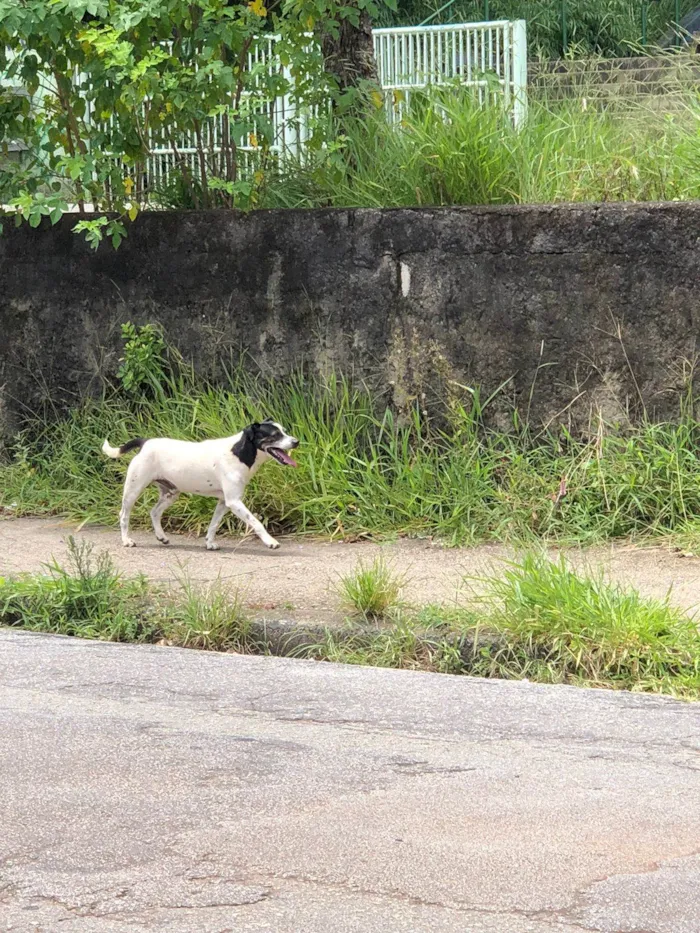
272	544
129	542
213	546
164	540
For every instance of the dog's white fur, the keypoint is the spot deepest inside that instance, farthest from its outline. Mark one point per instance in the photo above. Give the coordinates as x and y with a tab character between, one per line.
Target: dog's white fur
207	468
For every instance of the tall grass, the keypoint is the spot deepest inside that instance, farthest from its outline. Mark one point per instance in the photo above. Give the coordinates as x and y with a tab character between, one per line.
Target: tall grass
448	150
362	471
607	27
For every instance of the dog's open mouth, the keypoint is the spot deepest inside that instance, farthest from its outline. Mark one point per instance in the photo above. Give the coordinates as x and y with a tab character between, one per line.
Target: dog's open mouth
281	456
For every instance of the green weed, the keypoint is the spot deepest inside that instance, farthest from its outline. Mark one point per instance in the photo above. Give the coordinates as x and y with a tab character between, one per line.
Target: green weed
208	616
371	590
143	368
559	626
89	599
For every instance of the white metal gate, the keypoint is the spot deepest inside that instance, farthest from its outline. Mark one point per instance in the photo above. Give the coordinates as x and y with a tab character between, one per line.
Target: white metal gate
489	57
289	126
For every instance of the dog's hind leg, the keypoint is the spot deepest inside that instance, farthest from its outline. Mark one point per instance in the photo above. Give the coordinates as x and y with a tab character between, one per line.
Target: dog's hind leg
134	485
168	494
216	519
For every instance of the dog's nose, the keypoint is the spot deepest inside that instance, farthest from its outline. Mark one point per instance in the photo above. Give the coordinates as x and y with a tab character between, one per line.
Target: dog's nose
295	443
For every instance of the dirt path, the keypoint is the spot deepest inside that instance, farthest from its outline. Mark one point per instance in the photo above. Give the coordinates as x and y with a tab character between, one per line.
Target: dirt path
302	573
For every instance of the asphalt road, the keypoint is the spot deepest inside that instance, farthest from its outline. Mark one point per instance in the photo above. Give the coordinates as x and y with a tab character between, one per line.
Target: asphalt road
146	788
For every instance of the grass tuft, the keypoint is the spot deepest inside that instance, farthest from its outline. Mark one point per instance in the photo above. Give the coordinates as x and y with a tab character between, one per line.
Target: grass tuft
89	599
208	616
559	626
372	590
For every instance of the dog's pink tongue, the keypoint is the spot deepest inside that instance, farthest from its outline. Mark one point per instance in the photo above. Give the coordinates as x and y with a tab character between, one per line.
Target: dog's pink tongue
287	460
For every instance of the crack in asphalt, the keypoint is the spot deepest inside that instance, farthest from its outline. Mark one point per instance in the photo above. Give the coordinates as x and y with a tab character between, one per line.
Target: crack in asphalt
400	896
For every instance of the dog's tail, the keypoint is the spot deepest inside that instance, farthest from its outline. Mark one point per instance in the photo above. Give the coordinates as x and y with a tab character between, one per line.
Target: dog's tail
114	452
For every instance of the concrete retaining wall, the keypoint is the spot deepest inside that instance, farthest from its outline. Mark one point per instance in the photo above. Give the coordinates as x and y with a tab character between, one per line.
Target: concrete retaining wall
578	309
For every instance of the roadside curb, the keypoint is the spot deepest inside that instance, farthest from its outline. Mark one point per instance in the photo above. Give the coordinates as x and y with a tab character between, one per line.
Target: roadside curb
285	637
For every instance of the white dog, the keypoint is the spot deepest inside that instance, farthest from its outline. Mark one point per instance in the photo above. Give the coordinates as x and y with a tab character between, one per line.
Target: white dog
220	468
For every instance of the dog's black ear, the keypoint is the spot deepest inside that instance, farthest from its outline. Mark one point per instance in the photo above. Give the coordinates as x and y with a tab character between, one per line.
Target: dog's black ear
245	448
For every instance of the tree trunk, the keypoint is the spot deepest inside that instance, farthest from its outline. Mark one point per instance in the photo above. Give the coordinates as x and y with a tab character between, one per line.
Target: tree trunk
349	57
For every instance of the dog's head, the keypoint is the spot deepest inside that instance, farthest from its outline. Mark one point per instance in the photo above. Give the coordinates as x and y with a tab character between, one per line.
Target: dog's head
269	438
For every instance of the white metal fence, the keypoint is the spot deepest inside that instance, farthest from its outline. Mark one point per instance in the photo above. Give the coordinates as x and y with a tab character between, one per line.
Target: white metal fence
289	126
490	57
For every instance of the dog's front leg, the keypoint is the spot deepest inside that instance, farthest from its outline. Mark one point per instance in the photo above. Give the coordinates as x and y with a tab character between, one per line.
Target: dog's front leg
251	521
